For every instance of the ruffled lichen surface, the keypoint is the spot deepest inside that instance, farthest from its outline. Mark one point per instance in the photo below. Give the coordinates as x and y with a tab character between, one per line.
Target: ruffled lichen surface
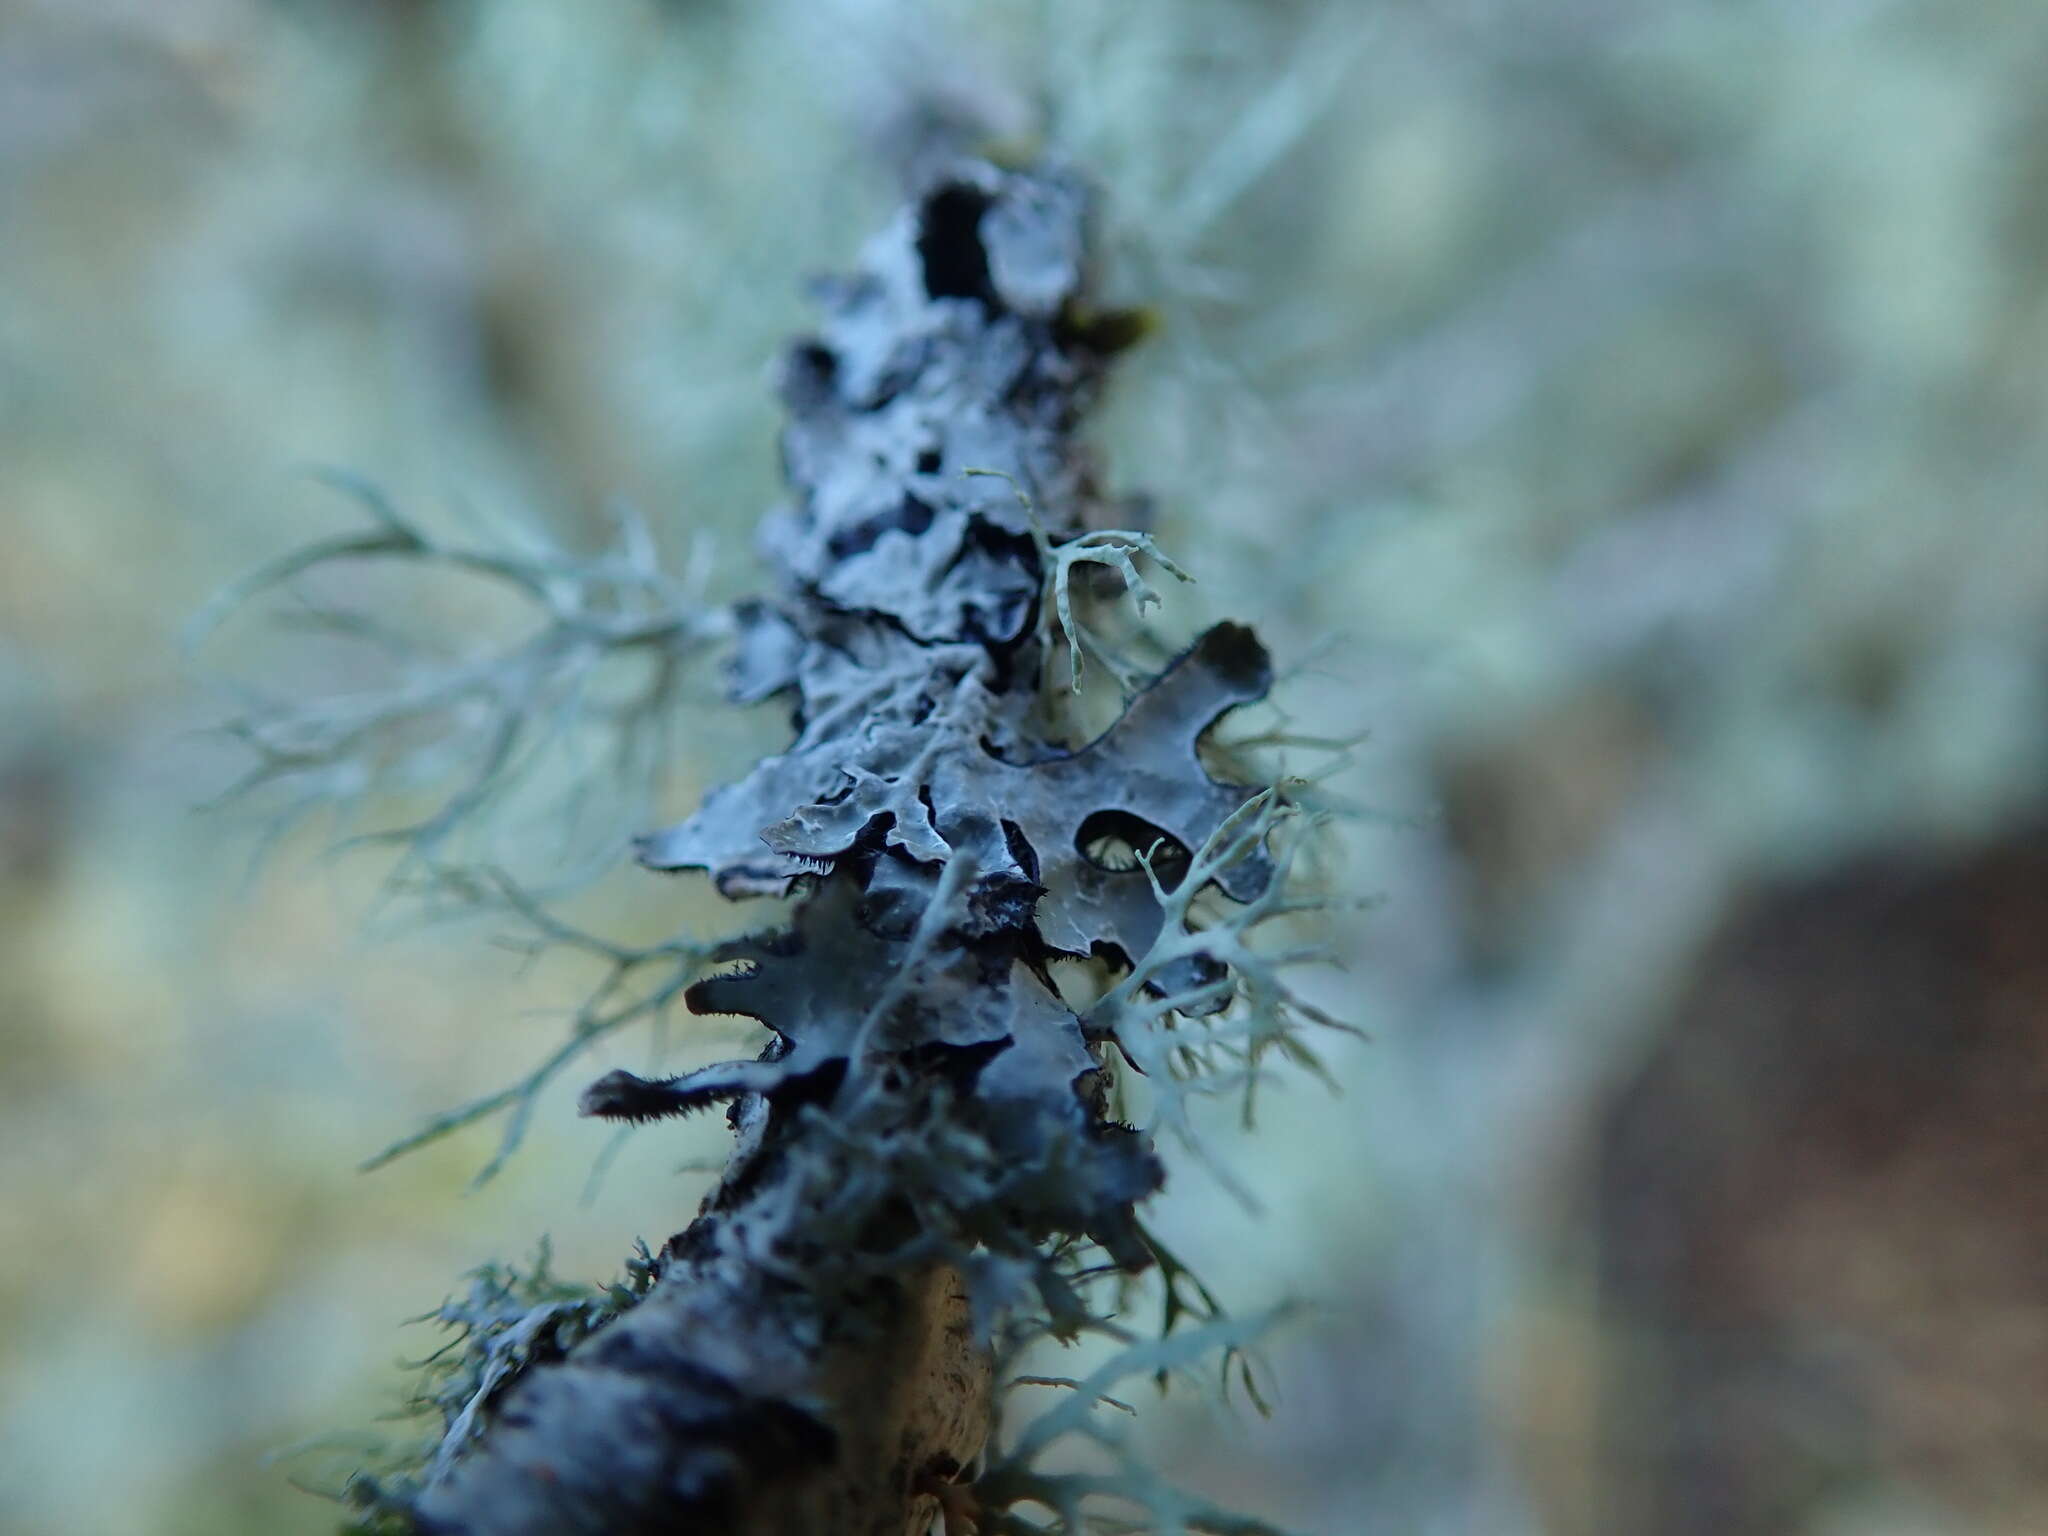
925	1152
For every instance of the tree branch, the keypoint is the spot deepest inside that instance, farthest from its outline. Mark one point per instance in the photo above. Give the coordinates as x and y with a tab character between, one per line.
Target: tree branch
924	1147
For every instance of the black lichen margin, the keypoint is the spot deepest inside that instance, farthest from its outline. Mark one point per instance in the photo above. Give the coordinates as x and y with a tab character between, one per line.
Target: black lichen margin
927	1105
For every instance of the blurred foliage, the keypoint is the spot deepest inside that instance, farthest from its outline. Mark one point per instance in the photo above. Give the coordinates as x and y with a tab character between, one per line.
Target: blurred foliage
1633	415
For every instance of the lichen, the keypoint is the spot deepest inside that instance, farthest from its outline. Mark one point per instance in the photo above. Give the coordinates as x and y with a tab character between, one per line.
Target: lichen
507	1322
928	1170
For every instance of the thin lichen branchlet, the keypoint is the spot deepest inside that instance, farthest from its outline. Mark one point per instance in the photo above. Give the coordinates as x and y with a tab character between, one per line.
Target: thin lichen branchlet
927	1173
508	1321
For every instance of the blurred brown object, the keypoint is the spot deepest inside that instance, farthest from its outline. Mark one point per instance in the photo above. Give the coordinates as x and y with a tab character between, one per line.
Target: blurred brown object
1821	1217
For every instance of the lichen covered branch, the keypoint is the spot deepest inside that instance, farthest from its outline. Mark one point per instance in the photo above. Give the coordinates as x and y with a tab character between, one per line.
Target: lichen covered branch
924	1147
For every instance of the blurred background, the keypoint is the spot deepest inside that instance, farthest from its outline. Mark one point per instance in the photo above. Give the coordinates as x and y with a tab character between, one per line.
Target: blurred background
1635	416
